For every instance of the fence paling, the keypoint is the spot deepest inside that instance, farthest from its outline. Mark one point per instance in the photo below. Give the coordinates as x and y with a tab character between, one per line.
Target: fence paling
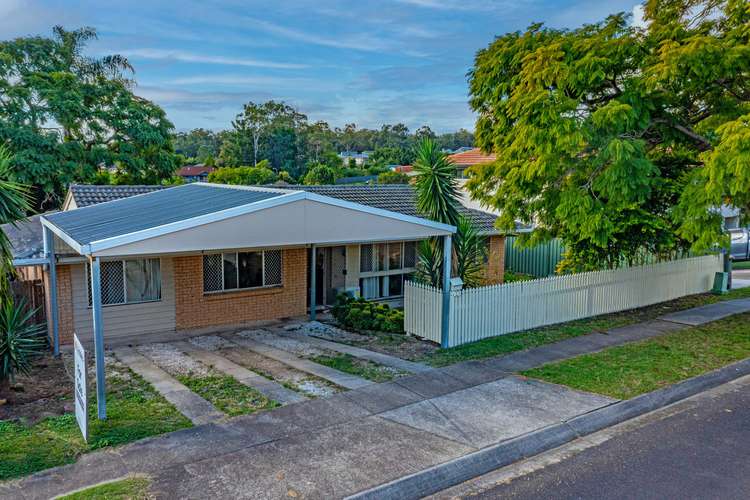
499	309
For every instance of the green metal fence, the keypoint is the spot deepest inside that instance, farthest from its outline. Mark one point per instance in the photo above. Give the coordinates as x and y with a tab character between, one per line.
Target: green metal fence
539	261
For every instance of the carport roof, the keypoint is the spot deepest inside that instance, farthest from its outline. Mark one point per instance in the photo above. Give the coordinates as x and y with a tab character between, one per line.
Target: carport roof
157	208
112	224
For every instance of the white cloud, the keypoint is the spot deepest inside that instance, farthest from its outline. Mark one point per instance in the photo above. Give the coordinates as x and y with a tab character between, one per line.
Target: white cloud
176	55
638	20
359	42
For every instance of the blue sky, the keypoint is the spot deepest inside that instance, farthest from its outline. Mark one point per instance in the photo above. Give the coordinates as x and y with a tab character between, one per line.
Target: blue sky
371	63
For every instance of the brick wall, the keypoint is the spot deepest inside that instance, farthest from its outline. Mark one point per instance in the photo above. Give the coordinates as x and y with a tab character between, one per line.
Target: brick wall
64	304
195	309
495	260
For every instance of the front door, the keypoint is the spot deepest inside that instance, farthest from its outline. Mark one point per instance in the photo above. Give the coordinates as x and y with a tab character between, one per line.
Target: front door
330	274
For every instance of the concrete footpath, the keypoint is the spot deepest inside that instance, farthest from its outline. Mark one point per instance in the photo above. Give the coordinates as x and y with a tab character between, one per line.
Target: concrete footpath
373	435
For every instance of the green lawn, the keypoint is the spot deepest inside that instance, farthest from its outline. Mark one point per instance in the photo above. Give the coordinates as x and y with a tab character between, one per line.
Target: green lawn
505	344
745	264
134	411
354	366
135	488
227	394
632	369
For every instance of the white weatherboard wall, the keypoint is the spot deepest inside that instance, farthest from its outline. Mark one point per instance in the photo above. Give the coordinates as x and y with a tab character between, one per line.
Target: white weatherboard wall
124	319
478	313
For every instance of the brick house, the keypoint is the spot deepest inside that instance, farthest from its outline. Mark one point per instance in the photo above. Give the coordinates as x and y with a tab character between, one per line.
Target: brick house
202	256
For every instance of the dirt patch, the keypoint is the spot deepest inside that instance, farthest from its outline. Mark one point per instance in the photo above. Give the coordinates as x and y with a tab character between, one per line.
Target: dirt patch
47	391
284	374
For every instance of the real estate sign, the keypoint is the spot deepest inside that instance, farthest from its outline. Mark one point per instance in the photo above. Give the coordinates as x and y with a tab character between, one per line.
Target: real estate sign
80	387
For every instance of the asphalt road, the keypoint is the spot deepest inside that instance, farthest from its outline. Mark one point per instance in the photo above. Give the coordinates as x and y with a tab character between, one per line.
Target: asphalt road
697	449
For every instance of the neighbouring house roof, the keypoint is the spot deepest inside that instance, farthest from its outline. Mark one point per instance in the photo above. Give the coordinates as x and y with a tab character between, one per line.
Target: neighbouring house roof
357	179
200	216
474	156
26	238
399	198
194	170
84	195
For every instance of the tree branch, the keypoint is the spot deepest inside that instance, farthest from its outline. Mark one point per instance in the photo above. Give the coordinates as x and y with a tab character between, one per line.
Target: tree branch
704	143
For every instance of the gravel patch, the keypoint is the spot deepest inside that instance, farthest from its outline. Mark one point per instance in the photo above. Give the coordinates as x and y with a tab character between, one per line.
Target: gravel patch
315	388
210	342
172	360
296	347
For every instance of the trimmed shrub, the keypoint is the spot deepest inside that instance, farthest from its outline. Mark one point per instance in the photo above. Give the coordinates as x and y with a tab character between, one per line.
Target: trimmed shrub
361	314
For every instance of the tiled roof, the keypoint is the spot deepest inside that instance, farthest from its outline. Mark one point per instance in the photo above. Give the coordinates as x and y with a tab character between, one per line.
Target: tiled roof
472	157
399	198
191	170
85	194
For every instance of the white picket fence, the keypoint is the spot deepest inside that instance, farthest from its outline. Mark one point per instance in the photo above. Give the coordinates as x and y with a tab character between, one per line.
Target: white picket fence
477	313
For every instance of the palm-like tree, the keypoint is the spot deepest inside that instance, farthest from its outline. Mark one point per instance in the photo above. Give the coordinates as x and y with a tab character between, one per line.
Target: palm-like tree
438	199
14	204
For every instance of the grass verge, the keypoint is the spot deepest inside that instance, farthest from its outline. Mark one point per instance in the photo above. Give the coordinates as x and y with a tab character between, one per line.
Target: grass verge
134	411
135	488
227	394
742	264
505	344
632	369
349	364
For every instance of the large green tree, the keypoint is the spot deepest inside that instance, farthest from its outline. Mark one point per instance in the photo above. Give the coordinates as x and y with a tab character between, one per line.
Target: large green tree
66	115
620	139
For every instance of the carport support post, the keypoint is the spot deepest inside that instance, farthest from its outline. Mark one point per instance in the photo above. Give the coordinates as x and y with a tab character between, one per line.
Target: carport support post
96	310
445	319
49	254
312	282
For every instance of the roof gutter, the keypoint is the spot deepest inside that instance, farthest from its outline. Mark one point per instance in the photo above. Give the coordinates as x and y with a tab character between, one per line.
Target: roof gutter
81	249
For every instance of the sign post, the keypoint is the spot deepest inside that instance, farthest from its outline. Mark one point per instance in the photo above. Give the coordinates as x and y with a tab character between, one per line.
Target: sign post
82	408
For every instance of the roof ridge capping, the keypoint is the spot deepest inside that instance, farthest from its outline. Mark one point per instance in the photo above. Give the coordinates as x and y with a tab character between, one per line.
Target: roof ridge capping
241	187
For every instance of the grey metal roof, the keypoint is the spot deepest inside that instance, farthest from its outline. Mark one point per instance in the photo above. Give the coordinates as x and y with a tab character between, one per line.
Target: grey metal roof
86	195
399	198
157	208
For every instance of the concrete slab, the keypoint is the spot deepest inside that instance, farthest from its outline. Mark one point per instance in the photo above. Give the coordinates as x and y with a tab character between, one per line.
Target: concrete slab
194	407
269	388
432	384
358	352
329	464
339	378
705	314
492	412
378	398
474	372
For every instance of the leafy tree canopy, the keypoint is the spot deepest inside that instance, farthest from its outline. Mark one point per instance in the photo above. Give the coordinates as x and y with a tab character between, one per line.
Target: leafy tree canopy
391	177
248	176
65	116
319	174
621	140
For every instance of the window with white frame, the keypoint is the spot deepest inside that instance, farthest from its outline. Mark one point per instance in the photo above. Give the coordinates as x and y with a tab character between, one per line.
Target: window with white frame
384	267
241	270
127	281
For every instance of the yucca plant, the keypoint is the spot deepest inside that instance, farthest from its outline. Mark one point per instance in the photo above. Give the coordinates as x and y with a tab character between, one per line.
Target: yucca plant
469	250
21	340
14	203
438	199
